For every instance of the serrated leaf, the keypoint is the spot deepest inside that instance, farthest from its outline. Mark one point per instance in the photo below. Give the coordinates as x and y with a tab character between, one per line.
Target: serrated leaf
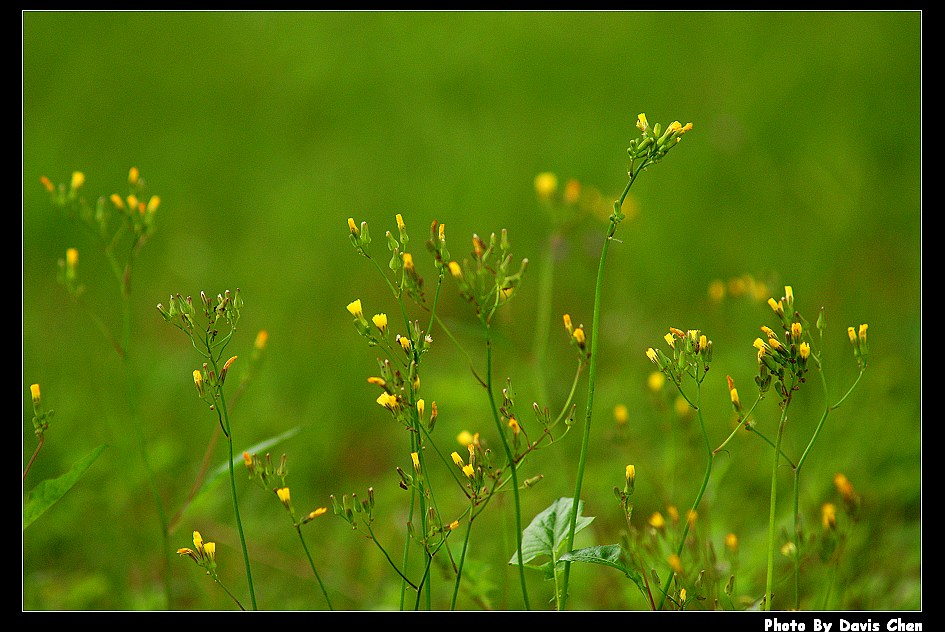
548	531
48	492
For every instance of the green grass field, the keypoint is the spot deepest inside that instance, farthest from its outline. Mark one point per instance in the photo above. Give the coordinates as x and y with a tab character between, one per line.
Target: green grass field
263	132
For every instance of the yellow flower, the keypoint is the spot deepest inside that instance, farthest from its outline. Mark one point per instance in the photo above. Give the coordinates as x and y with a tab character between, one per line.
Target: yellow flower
388	401
416	460
641	122
454	525
133	176
572	191
545	185
768	332
132	202
621	414
657	521
458	460
656	380
455	270
400	222
404	342
72	257
733	393
284	496
352	226
117	202
408	261
862	332
651	354
789	549
261	338
464	438
78	179
828	516
759	344
469	471
198	542
247	459
377	381
355	308
682	406
805	350
631	475
691	516
776	306
670	340
316	513
198	381
731	542
682	595
210	549
703	342
380	321
513	424
153	203
672	512
441	232
675	564
47	183
717	290
844	486
579	337
567	323
34	392
796	330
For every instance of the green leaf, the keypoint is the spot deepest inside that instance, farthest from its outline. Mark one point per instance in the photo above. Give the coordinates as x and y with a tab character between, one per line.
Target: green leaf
548	531
608	555
48	492
612	555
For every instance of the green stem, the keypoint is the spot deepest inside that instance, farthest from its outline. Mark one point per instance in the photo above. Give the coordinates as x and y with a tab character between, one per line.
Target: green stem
42	439
236	508
462	559
511	462
227	591
562	596
311	563
769	580
389	560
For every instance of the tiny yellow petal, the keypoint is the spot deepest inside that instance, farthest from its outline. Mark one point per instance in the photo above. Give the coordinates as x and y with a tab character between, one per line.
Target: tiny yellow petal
78	179
621	413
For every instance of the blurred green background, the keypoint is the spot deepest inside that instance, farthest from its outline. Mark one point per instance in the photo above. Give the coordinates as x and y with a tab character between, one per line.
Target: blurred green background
263	132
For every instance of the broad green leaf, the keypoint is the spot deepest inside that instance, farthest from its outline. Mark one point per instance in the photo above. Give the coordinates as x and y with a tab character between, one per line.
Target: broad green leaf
548	531
612	555
608	555
48	492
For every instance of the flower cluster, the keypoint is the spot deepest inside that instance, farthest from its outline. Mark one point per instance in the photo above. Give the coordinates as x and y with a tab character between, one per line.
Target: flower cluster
783	362
691	355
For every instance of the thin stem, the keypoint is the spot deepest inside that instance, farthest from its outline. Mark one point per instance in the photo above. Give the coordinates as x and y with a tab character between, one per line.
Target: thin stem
227	591
390	561
311	563
236	508
511	461
42	439
592	376
769	581
462	558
